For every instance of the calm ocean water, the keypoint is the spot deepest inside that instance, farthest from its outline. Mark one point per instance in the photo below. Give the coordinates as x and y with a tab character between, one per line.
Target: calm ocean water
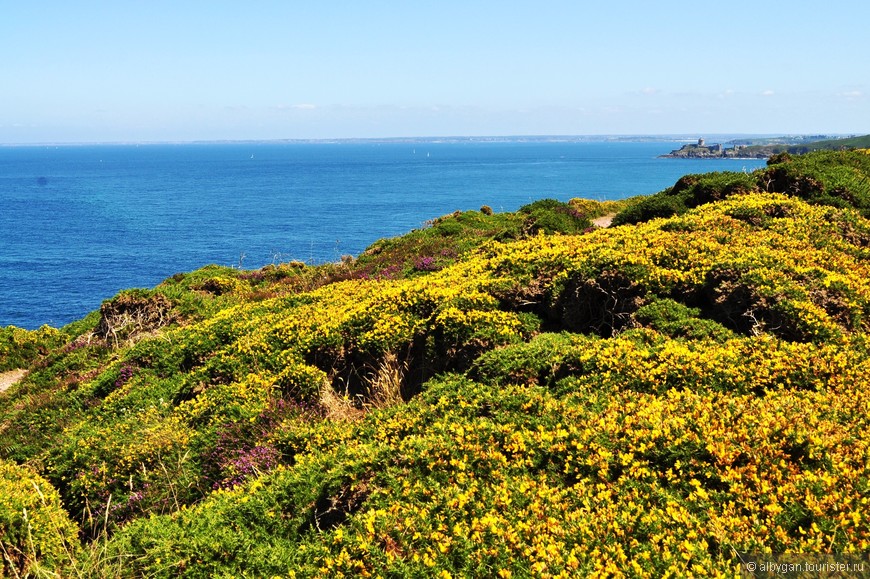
80	223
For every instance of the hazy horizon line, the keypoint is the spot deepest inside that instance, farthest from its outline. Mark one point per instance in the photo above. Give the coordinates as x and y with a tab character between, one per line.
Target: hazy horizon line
625	137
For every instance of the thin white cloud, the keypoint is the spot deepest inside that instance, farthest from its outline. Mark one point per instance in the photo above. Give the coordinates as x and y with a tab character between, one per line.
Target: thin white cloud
852	94
297	107
767	93
649	91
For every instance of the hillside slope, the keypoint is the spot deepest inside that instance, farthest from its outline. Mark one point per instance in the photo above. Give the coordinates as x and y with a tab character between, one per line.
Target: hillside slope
485	397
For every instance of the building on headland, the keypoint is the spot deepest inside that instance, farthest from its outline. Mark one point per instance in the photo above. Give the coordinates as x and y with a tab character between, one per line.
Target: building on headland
702	150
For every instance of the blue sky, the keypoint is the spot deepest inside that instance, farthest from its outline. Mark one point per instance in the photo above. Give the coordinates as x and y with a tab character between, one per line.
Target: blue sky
89	71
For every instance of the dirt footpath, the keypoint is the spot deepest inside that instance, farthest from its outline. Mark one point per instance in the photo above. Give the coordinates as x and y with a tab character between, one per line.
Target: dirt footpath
9	378
604	220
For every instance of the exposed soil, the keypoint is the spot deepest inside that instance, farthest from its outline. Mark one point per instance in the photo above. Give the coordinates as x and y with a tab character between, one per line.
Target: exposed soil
9	378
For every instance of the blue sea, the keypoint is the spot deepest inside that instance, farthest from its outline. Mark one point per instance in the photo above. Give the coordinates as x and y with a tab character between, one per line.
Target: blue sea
80	223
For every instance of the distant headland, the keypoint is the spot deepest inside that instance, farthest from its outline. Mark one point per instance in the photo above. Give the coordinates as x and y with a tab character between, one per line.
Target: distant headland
756	149
701	150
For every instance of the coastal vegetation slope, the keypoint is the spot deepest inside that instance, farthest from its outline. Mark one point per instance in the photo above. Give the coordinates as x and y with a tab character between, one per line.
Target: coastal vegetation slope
496	394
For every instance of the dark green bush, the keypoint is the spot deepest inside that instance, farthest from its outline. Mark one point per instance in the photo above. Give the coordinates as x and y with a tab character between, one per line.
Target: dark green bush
540	361
552	216
676	320
836	178
688	192
651	208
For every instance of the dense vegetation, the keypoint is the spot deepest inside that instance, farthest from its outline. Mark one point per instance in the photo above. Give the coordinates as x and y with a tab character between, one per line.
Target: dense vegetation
862	142
835	178
493	395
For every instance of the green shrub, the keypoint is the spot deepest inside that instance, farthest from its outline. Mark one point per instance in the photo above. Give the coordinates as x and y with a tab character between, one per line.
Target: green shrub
651	208
534	362
688	192
836	178
19	347
551	216
679	321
